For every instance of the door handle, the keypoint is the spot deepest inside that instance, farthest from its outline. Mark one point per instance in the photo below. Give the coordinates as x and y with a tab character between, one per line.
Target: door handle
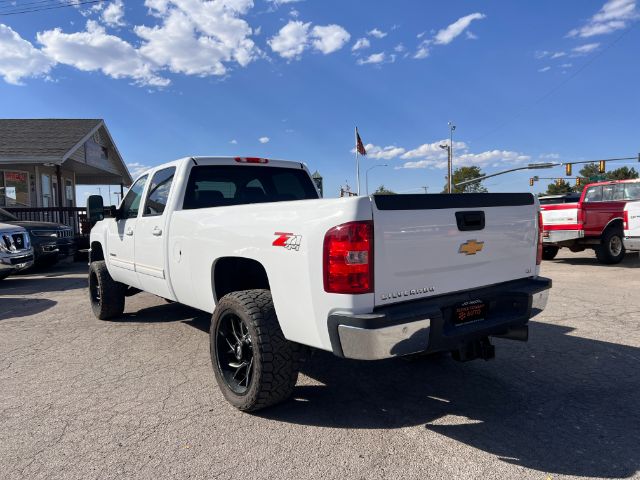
129	231
157	231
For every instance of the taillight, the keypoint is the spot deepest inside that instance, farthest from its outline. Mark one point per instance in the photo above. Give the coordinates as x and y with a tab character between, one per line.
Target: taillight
251	160
539	254
625	220
580	216
348	258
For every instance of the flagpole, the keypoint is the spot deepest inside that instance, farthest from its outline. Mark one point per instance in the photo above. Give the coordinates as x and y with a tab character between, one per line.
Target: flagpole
357	165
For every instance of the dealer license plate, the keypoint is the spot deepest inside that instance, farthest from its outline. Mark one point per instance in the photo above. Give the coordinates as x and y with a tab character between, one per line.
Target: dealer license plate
471	311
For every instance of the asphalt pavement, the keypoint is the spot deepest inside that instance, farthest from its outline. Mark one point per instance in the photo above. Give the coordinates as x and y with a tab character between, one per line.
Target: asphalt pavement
82	398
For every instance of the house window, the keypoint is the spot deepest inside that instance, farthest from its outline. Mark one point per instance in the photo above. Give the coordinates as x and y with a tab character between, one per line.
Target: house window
68	192
14	189
45	182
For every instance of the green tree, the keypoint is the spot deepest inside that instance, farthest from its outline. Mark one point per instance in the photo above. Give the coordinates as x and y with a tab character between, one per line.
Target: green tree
461	174
383	191
622	173
559	188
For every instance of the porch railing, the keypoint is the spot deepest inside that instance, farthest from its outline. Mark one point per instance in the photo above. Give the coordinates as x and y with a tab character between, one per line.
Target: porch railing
74	217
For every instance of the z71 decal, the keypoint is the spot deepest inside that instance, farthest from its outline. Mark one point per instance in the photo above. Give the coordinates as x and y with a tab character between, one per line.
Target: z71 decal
289	241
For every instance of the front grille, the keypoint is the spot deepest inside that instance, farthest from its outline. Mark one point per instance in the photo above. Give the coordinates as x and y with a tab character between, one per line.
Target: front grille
25	259
18	240
66	233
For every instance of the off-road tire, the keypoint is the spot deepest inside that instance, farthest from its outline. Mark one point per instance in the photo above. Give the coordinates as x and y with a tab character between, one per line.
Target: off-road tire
106	295
611	250
276	360
549	253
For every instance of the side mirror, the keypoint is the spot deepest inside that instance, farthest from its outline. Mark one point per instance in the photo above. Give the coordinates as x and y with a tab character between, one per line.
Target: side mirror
95	209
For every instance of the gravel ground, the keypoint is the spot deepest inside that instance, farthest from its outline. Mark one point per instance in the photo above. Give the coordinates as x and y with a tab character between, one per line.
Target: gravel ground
136	398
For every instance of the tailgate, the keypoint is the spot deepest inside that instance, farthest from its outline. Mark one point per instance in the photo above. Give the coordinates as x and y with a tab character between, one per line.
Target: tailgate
632	219
560	216
428	245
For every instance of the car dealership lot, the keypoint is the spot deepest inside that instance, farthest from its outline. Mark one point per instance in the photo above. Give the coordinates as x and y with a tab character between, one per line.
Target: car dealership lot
136	398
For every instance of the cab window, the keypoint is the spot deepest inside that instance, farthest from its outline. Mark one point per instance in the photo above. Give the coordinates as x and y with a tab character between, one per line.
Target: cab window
632	191
158	193
131	201
594	194
607	193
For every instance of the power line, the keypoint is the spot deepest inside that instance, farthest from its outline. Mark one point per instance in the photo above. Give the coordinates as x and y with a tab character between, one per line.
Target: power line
43	7
553	90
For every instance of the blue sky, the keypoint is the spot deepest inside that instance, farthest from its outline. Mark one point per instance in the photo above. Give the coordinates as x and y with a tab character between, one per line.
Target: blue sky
522	81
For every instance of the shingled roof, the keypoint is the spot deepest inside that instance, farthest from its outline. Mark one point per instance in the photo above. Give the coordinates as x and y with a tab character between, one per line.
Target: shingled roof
49	139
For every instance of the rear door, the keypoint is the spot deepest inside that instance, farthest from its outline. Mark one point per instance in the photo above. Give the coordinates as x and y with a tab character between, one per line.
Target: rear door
151	236
121	236
428	245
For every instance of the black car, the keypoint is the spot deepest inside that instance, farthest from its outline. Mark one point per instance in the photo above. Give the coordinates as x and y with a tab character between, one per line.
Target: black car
50	241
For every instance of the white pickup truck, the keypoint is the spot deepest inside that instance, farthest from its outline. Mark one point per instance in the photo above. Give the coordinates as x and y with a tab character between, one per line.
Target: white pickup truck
250	241
631	223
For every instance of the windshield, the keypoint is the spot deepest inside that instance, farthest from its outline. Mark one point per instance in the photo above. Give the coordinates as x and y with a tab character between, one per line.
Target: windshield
6	216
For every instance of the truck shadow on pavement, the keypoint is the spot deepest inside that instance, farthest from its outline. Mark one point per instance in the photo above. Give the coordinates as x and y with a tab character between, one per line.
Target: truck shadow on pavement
560	404
630	260
21	307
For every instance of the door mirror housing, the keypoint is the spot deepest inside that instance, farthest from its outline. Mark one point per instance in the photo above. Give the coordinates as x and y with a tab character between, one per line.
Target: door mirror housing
95	209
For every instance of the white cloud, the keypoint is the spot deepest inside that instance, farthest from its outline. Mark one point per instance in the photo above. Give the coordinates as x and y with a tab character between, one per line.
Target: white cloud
566	65
544	69
19	59
470	35
549	156
113	14
291	40
198	37
614	15
399	48
329	38
448	34
94	50
264	139
136	169
234	142
423	52
432	150
296	36
373	58
282	2
585	49
557	55
376	33
360	44
294	13
382	153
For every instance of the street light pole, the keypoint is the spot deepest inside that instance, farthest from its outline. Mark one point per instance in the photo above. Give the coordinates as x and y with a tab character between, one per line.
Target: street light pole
452	127
366	175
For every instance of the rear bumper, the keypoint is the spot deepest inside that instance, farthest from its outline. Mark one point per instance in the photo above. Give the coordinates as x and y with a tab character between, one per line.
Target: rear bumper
426	325
559	236
632	243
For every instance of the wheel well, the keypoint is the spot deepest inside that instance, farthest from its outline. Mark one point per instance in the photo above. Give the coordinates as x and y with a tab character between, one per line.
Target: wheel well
96	252
615	223
231	274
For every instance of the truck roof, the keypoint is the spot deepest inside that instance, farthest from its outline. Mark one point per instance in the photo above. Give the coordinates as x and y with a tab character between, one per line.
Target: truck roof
612	182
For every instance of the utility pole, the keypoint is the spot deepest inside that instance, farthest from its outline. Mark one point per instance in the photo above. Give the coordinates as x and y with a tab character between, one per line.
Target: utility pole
425	188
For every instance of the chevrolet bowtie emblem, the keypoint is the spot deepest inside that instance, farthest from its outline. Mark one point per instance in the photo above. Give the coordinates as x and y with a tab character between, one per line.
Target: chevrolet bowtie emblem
471	247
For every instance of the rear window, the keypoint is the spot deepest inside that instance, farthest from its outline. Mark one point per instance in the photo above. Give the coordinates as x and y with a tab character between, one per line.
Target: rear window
594	194
573	198
224	185
632	191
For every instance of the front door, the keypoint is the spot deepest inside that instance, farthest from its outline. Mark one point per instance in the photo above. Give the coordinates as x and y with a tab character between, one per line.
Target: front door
151	235
122	233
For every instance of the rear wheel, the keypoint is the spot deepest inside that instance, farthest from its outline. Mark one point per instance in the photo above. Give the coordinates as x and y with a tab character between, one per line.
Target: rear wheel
549	253
106	295
611	249
254	365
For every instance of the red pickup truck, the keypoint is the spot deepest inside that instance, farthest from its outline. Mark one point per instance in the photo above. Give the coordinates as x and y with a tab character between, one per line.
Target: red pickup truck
593	219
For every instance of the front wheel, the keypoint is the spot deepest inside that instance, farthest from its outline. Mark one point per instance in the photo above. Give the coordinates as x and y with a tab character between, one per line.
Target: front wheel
254	365
611	249
106	295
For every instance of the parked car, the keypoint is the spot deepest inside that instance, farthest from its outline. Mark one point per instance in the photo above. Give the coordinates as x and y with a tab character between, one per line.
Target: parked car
631	218
248	240
50	241
595	221
15	250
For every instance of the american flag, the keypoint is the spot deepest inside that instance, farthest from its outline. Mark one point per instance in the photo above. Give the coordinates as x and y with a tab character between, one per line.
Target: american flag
359	145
